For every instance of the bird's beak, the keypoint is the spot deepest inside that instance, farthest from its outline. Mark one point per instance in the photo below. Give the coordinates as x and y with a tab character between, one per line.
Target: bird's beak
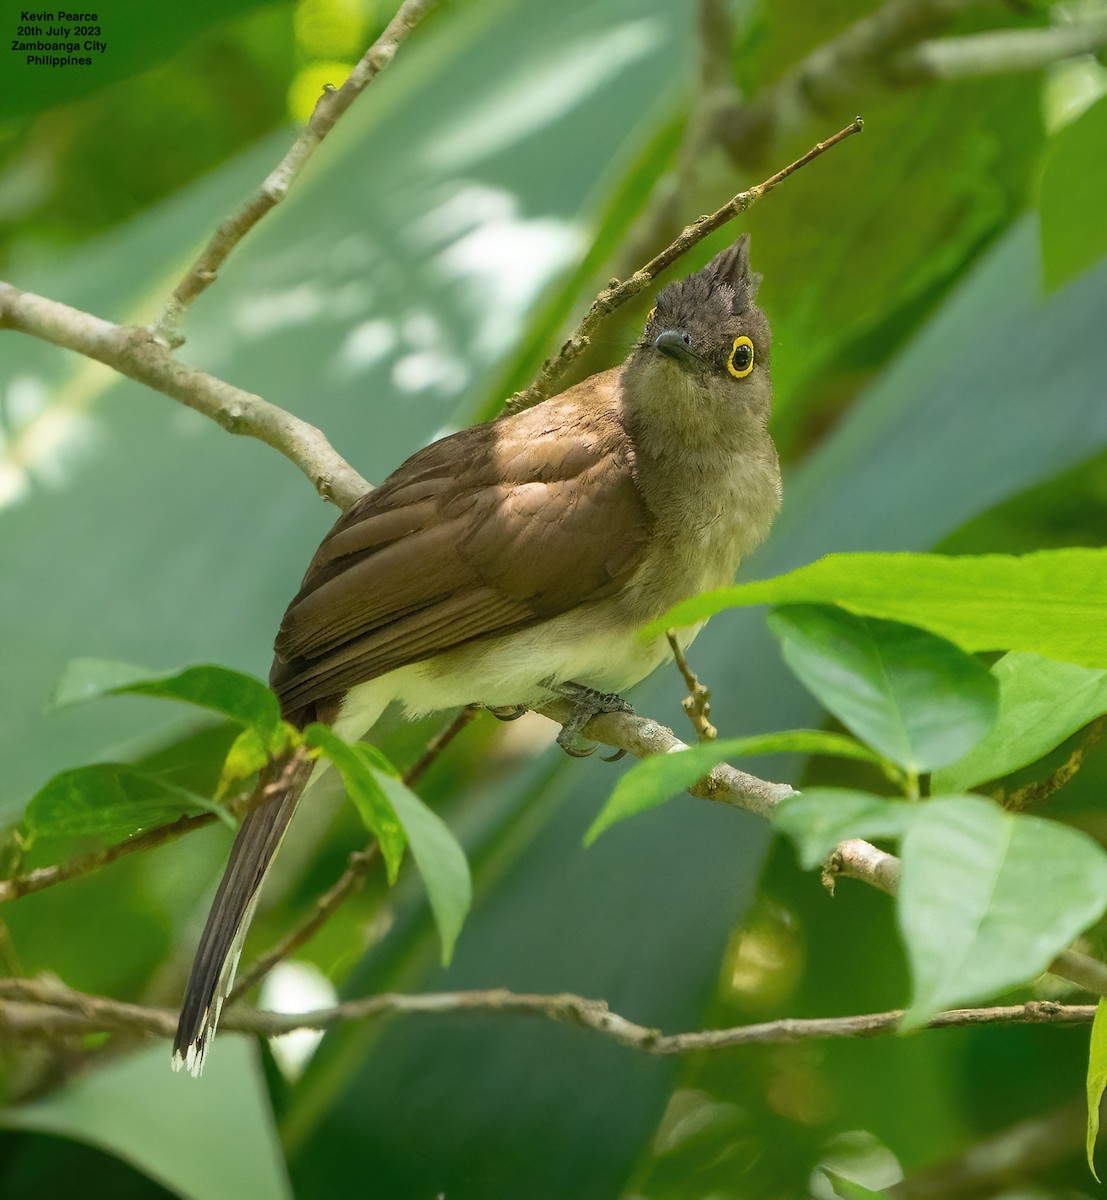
675	343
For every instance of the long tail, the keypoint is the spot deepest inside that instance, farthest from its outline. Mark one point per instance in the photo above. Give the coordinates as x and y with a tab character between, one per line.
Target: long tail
258	840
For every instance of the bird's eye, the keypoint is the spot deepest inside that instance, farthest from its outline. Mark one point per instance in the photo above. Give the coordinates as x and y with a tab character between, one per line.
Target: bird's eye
650	315
740	362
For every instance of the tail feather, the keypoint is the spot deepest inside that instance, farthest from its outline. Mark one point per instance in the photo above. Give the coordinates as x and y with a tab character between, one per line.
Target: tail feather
213	969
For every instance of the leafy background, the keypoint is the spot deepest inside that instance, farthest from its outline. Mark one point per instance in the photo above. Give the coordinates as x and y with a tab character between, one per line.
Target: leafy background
936	288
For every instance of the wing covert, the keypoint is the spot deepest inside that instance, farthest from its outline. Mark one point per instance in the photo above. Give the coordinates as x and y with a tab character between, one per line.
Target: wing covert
485	532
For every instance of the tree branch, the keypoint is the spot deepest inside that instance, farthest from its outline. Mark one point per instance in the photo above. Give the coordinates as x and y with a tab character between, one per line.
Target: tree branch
833	73
44	877
135	353
330	106
37	1008
86	864
697	704
618	293
642	738
358	866
857	859
998	52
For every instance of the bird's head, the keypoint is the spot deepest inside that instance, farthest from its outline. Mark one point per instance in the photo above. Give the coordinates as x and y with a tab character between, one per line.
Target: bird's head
706	344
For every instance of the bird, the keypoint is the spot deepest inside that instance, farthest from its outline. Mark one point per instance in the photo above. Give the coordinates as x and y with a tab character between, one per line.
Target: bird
517	560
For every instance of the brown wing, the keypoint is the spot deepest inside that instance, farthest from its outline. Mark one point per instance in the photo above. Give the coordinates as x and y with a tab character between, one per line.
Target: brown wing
485	532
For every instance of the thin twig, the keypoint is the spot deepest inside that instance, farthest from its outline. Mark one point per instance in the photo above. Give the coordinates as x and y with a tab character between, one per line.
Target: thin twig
86	864
439	742
617	294
697	704
358	866
32	1008
690	181
134	352
331	105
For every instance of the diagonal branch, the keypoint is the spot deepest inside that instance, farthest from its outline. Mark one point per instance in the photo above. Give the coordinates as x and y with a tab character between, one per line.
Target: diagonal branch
136	354
618	293
331	105
87	864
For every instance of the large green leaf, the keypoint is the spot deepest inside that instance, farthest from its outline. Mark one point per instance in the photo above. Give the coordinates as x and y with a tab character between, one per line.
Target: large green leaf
847	1189
209	1141
241	697
819	819
916	698
1074	234
439	857
356	766
109	801
657	779
1041	702
987	899
1097	1079
1052	602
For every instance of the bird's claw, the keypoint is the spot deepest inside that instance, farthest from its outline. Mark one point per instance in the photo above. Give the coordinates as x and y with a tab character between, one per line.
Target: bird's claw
587	703
511	713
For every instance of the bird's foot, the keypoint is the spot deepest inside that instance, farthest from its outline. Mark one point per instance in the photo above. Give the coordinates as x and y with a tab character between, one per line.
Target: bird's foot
587	703
511	713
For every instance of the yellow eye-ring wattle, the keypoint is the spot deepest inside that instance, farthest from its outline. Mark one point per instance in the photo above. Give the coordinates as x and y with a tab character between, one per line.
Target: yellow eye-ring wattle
740	362
650	315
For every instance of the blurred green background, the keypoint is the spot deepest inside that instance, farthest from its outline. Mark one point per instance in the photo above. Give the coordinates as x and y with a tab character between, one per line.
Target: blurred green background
937	289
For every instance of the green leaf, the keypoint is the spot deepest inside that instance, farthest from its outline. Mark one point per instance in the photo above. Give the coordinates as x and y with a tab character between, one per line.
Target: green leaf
917	698
110	801
1097	1079
847	1189
246	757
241	697
1074	234
987	899
655	780
357	765
439	857
1052	602
819	819
1041	702
133	1106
